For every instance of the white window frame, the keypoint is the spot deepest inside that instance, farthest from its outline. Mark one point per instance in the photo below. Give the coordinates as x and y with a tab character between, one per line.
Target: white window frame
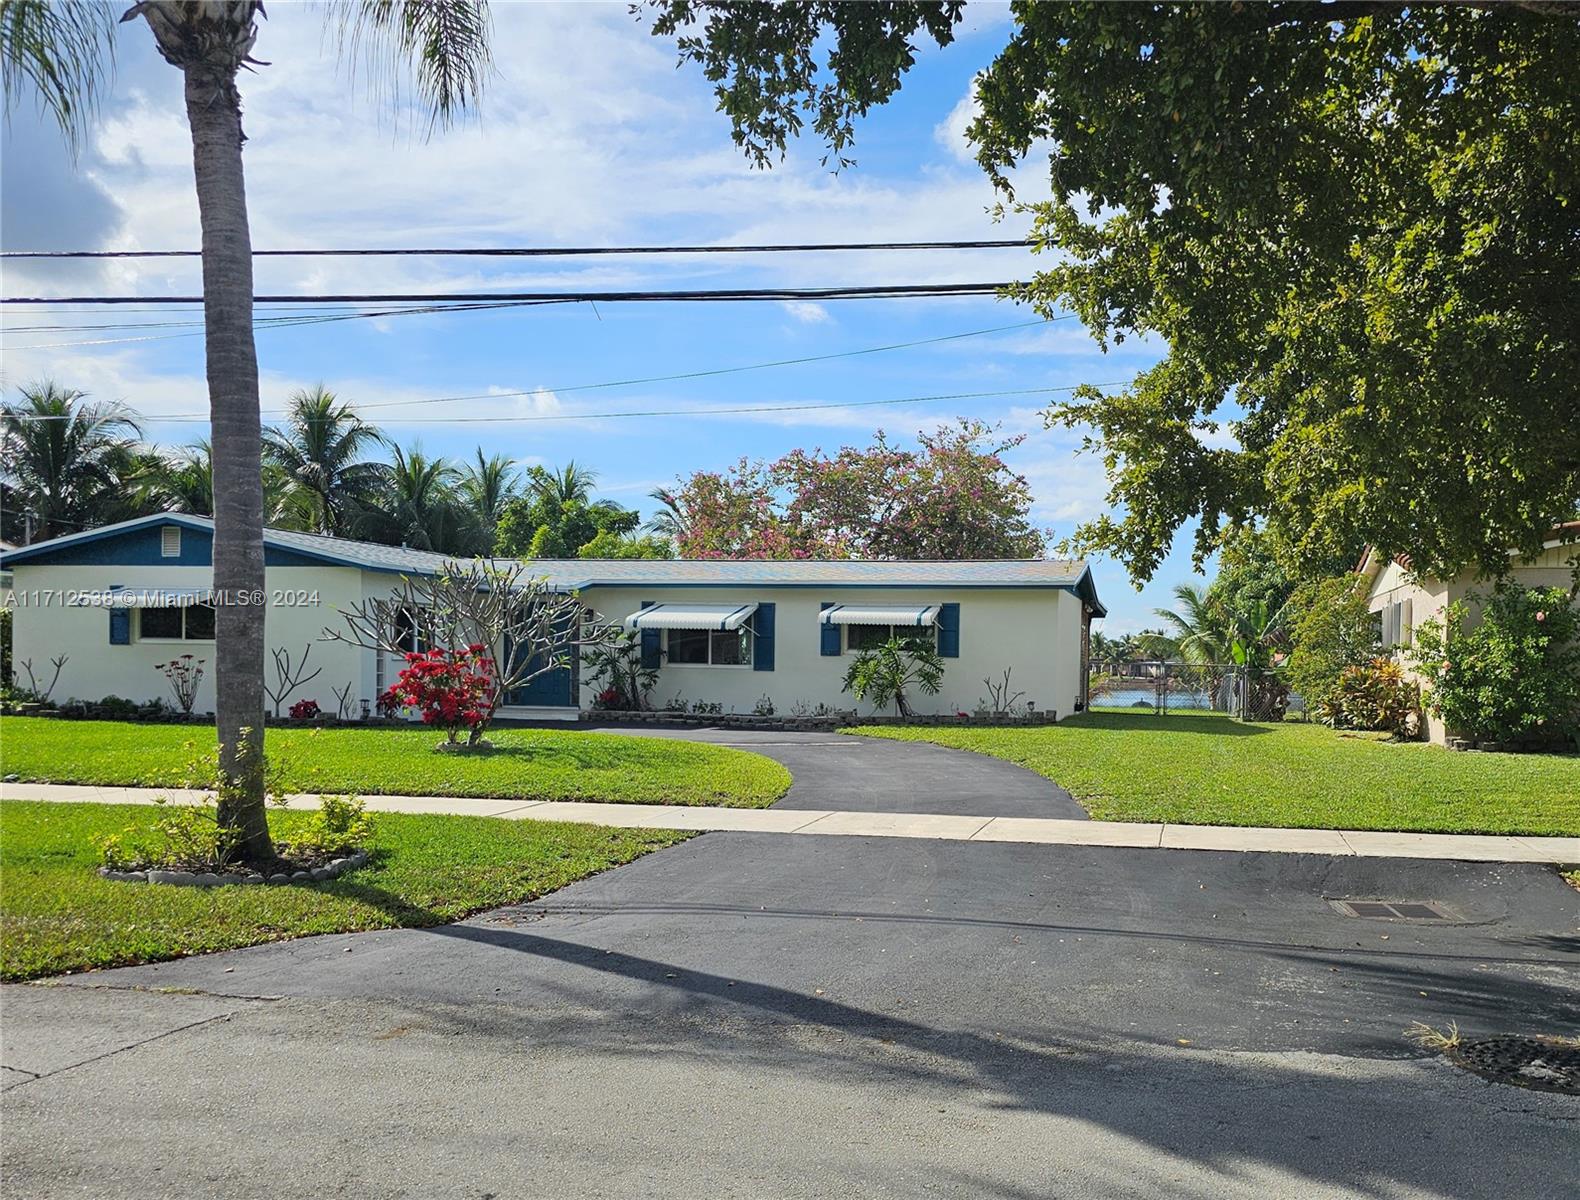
745	633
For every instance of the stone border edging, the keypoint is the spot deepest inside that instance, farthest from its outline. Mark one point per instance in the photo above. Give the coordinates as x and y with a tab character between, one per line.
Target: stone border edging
330	870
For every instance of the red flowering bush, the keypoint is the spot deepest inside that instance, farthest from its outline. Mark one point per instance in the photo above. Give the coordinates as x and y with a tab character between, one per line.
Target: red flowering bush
453	689
305	710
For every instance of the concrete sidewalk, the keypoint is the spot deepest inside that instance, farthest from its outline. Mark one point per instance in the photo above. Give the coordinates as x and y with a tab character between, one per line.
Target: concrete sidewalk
941	827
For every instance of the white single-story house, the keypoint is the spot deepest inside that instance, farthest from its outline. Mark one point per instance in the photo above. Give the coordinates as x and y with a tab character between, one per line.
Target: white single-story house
121	599
1402	599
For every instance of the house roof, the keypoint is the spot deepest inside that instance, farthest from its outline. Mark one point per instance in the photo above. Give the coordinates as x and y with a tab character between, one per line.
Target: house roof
1566	534
1067	574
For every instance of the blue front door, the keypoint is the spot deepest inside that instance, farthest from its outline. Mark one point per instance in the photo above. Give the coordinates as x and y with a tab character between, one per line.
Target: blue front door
552	688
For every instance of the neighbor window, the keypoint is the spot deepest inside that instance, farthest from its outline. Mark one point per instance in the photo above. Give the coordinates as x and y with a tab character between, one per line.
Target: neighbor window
188	622
710	647
870	637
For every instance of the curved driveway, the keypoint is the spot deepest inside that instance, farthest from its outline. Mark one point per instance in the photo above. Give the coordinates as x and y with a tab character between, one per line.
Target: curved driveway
852	773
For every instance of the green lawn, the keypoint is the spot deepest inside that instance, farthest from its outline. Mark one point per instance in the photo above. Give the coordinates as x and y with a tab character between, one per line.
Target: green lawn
57	915
531	764
1210	770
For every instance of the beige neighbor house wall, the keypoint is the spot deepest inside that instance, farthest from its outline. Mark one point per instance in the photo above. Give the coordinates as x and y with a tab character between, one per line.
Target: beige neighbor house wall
1414	599
302	601
1035	632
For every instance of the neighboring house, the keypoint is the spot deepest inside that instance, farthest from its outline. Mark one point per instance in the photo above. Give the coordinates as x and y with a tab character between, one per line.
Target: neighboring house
121	599
1402	600
5	576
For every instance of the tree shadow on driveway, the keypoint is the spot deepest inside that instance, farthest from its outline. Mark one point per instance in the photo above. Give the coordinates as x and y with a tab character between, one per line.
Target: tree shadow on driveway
1285	1120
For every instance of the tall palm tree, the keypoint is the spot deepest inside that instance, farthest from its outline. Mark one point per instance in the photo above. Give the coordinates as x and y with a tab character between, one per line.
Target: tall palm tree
1200	627
487	485
62	52
419	506
671	520
569	485
183	481
322	448
65	460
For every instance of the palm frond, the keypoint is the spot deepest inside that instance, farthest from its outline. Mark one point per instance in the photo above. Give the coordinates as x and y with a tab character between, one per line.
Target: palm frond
437	49
64	53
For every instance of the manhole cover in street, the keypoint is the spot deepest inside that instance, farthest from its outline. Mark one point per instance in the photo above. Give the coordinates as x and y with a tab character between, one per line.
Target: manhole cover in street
1545	1064
1394	910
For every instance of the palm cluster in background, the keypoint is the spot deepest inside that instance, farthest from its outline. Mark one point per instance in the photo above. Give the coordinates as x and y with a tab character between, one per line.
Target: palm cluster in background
1243	616
72	464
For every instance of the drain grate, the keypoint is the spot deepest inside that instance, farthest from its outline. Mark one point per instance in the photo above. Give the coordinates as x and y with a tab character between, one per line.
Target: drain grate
1545	1064
1394	910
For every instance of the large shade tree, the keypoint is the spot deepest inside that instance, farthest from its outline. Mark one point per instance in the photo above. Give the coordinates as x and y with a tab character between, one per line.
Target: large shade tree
1354	225
60	53
65	460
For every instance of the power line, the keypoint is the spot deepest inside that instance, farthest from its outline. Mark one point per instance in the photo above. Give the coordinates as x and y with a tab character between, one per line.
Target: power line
693	412
195	328
543	251
616	383
703	374
874	292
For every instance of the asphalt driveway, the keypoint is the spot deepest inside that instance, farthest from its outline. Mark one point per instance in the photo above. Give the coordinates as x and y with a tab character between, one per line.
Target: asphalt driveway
750	1015
850	773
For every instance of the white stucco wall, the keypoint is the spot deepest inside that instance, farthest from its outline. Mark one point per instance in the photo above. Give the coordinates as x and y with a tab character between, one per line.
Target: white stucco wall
1429	597
95	668
1034	631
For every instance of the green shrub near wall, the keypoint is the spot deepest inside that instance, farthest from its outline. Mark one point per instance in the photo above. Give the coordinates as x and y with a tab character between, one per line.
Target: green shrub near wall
1514	675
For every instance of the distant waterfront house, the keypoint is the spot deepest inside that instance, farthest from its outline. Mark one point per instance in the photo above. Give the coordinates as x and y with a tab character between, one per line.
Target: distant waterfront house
1402	600
121	599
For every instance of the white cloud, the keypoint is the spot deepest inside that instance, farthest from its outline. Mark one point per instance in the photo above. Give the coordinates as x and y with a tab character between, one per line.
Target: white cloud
950	133
807	313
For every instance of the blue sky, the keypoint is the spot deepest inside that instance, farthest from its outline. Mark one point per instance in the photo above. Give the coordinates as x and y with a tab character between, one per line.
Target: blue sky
588	135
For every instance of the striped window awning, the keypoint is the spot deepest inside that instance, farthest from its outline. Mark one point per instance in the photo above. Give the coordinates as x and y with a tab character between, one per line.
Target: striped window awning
857	614
691	616
143	598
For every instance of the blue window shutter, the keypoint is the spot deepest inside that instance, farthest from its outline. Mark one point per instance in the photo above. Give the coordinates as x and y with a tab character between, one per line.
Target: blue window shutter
650	644
948	631
120	627
763	638
830	643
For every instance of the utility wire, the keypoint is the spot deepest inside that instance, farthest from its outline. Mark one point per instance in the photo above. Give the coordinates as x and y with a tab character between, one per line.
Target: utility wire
704	374
541	251
617	383
686	412
874	292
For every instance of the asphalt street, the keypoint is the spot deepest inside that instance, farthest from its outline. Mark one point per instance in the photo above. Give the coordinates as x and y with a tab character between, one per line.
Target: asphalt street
759	1015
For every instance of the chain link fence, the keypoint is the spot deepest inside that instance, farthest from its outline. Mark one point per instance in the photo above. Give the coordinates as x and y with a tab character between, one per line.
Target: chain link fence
1225	689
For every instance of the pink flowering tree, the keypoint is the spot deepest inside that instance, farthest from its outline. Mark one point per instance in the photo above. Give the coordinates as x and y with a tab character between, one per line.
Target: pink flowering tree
954	496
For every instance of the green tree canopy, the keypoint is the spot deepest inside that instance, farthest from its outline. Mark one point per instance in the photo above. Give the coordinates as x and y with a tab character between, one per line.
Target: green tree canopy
1353	225
556	517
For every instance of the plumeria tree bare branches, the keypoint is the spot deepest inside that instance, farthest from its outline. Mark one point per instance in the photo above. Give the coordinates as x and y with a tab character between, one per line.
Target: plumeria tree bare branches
527	625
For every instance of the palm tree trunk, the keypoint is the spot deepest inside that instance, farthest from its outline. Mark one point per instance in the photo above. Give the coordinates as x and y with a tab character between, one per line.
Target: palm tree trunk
214	114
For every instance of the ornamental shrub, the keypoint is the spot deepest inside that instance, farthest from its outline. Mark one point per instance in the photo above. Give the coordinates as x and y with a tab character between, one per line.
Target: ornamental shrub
453	689
305	710
1376	695
884	674
1514	675
1330	633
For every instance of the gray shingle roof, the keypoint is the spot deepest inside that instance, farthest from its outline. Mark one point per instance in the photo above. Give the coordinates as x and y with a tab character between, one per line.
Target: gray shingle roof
1071	574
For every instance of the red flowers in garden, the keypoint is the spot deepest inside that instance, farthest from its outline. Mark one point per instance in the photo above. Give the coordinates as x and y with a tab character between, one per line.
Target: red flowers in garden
453	689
